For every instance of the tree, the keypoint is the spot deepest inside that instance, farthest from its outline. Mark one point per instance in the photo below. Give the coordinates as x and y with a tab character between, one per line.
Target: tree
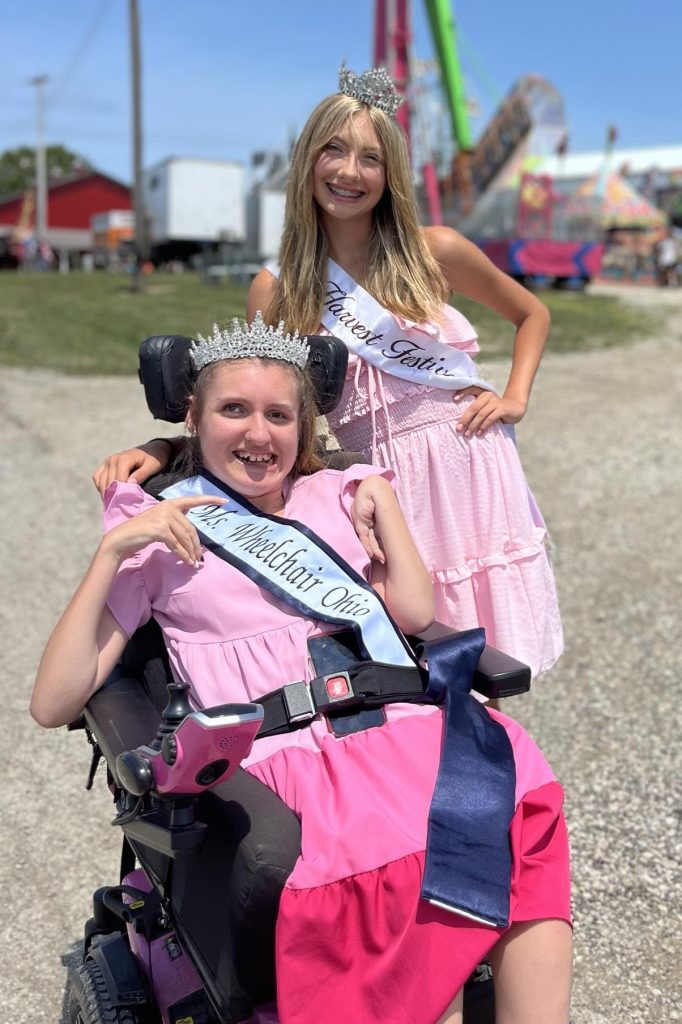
17	167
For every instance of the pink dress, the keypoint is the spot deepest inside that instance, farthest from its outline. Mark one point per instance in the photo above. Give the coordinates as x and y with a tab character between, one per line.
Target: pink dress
465	500
354	940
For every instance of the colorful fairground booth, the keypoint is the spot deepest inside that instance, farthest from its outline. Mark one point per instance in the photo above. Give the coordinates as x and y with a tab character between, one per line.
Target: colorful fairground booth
514	210
629	224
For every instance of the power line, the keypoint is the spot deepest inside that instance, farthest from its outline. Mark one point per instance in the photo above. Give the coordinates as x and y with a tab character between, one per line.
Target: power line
83	48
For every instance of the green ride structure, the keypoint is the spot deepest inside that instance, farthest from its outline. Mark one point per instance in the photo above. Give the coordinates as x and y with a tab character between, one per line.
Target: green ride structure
493	191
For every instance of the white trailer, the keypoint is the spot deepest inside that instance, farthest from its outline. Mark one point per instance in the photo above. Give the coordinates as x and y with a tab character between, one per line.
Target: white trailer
194	201
265	221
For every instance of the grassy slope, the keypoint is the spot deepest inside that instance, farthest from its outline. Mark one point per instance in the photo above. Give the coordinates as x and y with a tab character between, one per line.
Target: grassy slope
579	322
93	323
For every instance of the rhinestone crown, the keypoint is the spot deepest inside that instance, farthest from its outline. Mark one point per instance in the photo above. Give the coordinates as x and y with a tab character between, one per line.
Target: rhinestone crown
374	87
248	341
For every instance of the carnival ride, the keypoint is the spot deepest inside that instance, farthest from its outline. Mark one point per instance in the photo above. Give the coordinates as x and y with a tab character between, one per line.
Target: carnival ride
491	190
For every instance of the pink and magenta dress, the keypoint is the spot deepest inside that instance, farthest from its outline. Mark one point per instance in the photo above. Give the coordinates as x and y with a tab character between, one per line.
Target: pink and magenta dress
466	501
355	942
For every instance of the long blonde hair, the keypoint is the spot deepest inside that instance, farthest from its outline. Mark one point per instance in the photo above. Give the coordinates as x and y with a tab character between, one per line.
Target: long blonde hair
400	271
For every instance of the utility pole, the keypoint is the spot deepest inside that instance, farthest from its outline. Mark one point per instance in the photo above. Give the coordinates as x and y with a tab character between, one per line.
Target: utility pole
138	198
41	163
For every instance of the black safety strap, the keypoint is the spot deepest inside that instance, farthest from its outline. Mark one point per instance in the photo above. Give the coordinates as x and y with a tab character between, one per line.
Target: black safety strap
365	685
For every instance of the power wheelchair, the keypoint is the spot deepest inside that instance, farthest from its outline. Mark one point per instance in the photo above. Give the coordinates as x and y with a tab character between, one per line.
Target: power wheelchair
187	934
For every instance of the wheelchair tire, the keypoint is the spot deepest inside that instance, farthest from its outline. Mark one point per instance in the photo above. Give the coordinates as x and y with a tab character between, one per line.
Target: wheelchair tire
90	1003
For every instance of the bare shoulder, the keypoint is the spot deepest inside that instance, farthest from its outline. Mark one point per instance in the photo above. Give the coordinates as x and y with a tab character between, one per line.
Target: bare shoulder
468	271
445	244
261	295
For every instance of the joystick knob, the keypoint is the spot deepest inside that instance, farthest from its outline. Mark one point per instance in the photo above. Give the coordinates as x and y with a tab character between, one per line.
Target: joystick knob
134	772
176	711
178	706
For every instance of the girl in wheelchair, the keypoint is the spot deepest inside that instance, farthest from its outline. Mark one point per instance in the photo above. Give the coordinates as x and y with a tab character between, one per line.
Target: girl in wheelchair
432	827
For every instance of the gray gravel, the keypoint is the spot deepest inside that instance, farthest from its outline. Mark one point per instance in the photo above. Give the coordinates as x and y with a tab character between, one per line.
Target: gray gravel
602	447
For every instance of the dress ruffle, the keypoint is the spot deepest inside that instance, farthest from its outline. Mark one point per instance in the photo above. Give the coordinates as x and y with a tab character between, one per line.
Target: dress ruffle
398	958
473	519
365	392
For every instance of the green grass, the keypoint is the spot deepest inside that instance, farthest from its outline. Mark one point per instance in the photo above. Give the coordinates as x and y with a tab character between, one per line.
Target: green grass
579	323
93	323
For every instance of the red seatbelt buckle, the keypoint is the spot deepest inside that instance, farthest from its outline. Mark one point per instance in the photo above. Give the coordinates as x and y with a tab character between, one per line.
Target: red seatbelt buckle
333	689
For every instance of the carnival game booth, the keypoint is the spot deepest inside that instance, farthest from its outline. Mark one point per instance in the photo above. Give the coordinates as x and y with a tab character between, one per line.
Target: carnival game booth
187	932
630	226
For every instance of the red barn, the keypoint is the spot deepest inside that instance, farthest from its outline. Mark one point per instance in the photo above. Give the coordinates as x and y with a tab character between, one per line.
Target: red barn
70	205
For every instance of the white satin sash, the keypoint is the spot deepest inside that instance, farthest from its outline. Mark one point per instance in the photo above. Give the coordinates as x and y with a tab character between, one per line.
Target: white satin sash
372	333
293	563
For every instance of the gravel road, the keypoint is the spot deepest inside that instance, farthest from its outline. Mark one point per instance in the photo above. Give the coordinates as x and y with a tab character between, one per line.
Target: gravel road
602	446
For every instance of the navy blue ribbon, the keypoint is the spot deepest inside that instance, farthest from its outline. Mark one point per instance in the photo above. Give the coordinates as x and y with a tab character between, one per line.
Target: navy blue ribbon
468	856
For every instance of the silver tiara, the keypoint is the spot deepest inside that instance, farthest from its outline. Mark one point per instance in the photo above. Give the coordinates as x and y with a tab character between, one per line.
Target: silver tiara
374	87
248	341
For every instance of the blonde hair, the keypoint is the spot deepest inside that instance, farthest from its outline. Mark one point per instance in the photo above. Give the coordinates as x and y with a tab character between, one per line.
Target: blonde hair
307	459
400	272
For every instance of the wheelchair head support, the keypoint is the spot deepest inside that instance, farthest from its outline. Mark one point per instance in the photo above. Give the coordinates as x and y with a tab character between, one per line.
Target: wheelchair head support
166	373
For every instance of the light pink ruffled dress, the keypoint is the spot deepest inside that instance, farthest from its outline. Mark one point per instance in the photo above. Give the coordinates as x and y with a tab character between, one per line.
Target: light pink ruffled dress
354	940
466	501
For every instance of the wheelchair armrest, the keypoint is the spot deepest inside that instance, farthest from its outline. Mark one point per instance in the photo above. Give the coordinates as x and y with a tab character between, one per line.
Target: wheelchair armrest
121	716
497	675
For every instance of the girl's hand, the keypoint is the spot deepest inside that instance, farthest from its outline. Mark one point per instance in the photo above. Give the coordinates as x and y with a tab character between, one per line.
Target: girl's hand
165	523
488	408
136	464
363	514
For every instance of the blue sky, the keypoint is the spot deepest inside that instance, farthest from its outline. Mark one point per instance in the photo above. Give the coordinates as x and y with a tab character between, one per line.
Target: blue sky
222	78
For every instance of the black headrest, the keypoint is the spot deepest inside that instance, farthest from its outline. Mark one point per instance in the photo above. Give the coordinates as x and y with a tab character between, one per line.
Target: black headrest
166	373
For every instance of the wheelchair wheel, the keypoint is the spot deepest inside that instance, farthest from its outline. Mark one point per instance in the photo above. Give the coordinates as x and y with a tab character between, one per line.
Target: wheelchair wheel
90	1003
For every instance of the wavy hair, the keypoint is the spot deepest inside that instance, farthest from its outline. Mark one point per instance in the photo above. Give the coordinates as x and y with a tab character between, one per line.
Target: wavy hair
307	459
400	273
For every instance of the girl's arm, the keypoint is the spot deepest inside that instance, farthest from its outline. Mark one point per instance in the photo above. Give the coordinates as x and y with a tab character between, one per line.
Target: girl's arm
262	296
84	647
87	641
138	464
398	574
470	272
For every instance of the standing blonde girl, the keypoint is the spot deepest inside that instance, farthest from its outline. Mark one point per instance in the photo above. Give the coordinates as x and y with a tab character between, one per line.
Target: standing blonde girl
354	259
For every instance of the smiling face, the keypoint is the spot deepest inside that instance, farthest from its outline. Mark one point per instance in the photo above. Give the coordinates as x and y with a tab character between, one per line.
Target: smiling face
247	421
349	175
